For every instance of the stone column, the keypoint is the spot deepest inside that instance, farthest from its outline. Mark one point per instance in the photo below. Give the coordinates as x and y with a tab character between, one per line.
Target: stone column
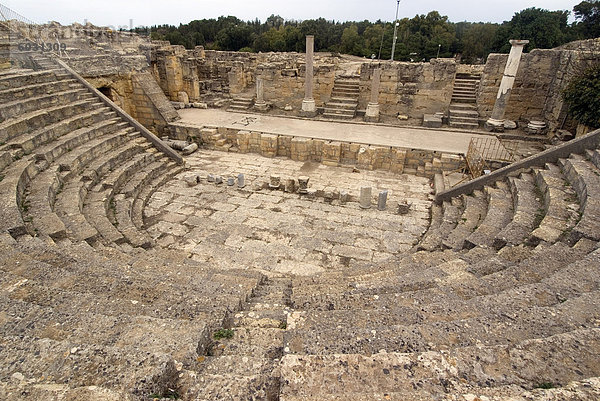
309	108
260	103
372	113
496	121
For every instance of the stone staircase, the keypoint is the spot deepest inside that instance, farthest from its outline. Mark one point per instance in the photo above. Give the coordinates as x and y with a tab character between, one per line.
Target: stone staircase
463	108
243	362
344	98
240	104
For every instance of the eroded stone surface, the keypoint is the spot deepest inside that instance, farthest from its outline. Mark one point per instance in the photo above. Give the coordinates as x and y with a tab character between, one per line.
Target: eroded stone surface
280	231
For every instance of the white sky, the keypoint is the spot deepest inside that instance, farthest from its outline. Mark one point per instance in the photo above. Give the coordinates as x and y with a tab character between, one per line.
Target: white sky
118	13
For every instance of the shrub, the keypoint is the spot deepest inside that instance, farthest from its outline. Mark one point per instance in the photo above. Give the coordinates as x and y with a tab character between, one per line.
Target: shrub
582	95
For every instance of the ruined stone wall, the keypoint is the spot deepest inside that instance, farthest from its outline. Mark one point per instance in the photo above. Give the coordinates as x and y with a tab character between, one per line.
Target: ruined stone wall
152	108
410	89
540	80
334	153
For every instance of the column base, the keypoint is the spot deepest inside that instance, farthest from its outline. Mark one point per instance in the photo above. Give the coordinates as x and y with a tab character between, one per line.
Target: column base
261	106
494	125
372	113
309	108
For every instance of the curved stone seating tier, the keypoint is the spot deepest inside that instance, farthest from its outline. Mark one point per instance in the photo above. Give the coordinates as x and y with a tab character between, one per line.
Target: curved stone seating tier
36	90
559	206
475	208
439	374
584	176
42	120
499	213
527	208
435	235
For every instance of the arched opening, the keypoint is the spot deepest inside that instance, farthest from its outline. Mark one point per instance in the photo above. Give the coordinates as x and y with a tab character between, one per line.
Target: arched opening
107	91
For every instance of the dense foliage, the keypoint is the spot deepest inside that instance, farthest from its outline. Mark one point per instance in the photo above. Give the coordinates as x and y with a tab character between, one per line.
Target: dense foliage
583	97
419	38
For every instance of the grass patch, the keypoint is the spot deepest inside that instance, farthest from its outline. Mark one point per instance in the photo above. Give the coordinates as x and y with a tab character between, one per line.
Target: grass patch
545	385
223	333
283	325
169	394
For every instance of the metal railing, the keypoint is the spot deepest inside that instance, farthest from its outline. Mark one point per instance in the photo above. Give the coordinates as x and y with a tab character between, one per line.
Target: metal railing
482	151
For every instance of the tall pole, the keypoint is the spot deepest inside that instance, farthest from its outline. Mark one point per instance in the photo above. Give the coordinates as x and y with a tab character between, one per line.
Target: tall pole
395	30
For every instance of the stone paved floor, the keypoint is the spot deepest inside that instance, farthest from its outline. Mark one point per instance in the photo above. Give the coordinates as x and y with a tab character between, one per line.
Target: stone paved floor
277	231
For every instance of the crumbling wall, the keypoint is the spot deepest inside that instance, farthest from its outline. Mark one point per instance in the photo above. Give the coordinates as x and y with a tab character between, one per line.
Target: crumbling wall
410	89
152	108
334	153
540	80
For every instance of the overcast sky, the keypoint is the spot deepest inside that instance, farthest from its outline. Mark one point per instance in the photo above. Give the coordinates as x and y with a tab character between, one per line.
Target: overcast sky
118	13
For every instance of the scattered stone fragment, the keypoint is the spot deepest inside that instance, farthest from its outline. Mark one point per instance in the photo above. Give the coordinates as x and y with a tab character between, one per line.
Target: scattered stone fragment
210	178
303	184
241	181
365	197
190	149
290	185
230	181
275	182
382	200
192	180
218	179
344	197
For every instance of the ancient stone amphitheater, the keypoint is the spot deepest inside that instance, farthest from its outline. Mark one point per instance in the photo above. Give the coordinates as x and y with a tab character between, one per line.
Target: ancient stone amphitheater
498	300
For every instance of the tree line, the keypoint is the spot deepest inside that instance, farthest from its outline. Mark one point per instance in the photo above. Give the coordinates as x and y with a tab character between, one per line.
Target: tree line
419	38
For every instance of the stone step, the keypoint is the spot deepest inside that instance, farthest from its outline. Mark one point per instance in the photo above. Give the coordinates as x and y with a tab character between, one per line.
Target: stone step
16	178
137	210
39	119
367	332
179	338
426	375
77	365
69	202
19	78
229	387
463	106
463	113
451	215
27	143
594	156
559	204
337	116
468	120
36	90
22	106
464	99
464	125
473	214
68	290
528	212
499	214
99	207
251	341
584	177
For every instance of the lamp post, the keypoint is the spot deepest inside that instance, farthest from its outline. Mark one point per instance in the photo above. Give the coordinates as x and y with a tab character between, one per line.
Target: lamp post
439	47
395	30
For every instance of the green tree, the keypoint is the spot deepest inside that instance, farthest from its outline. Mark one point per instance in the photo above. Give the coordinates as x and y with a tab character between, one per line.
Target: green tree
582	94
588	12
352	42
544	29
